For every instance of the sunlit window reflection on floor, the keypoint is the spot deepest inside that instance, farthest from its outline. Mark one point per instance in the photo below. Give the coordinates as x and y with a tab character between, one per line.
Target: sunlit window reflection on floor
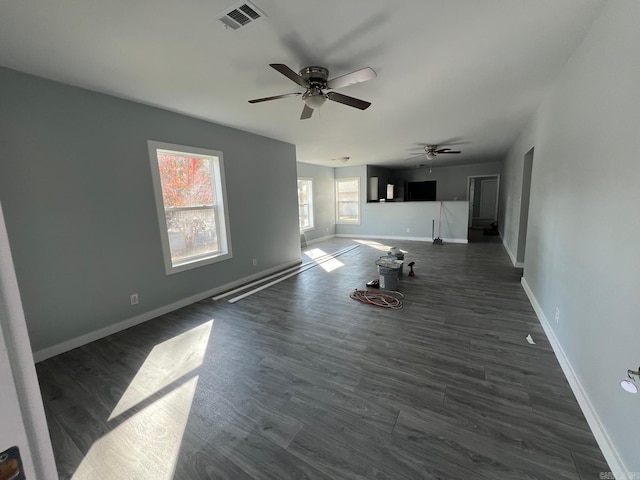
315	253
323	259
376	245
150	418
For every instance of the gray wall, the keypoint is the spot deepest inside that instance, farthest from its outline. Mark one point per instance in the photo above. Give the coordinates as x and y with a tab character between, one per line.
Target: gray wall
581	252
324	209
76	188
452	181
411	220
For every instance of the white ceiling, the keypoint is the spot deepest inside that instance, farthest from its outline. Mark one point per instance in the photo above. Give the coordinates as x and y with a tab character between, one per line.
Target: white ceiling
468	71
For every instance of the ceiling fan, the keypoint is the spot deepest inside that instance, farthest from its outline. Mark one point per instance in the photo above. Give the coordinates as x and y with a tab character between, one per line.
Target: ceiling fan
319	89
432	151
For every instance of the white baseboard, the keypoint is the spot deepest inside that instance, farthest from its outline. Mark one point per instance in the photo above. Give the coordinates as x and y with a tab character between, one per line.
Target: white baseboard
454	240
76	342
599	432
412	239
318	240
511	255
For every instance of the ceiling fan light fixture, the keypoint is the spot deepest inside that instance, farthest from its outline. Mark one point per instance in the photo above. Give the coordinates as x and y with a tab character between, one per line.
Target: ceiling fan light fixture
314	101
629	383
629	386
341	159
431	155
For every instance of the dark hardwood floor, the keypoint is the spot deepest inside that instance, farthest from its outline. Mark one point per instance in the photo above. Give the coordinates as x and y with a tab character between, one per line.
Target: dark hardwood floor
301	381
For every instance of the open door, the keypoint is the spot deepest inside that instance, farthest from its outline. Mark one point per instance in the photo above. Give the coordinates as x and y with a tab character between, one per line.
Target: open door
527	170
483	194
24	424
488	199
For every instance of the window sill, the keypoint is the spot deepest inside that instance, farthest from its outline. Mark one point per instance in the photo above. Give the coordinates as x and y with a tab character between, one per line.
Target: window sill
197	262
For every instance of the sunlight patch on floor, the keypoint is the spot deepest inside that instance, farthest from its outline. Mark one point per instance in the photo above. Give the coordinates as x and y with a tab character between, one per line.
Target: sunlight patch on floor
323	259
331	265
167	362
315	253
376	245
146	444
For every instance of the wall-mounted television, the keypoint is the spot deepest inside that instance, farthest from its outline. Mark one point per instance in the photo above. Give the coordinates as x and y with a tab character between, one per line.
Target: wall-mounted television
421	191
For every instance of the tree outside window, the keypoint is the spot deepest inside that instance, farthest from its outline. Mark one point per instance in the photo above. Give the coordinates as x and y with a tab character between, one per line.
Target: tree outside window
190	198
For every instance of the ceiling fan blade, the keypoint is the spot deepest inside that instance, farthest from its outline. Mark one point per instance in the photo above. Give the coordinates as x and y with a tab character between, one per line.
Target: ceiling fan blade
346	100
307	111
415	156
290	74
358	76
447	150
276	97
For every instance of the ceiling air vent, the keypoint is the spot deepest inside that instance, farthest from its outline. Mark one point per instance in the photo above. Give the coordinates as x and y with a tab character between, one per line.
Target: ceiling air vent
240	15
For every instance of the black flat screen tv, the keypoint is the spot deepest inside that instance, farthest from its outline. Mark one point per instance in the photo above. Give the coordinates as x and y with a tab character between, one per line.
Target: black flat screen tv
421	191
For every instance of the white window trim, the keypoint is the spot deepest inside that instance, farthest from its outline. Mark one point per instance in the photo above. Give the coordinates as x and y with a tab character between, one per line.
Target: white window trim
224	235
348	222
312	225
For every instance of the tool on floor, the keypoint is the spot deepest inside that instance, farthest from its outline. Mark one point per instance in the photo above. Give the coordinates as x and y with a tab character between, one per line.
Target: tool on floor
410	265
374	283
438	241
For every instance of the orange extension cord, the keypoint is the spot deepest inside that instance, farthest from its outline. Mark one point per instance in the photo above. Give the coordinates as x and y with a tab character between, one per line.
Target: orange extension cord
378	299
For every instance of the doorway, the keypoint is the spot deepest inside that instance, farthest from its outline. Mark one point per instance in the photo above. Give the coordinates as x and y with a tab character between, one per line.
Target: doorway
483	193
527	169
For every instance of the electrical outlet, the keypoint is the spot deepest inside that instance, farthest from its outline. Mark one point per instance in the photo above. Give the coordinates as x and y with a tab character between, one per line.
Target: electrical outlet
255	262
557	315
134	299
408	230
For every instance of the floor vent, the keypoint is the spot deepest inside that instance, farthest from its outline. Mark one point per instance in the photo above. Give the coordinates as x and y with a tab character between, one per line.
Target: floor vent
240	15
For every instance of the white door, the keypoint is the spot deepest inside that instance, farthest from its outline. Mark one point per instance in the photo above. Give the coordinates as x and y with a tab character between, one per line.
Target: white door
23	421
488	197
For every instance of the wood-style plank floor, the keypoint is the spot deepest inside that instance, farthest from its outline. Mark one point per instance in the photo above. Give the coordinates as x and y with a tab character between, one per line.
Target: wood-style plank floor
301	381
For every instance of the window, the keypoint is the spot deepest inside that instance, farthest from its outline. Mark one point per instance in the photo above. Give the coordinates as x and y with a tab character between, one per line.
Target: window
348	200
191	203
305	203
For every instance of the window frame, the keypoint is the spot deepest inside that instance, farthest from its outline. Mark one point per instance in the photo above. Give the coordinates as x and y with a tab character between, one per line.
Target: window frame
358	202
220	207
311	216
